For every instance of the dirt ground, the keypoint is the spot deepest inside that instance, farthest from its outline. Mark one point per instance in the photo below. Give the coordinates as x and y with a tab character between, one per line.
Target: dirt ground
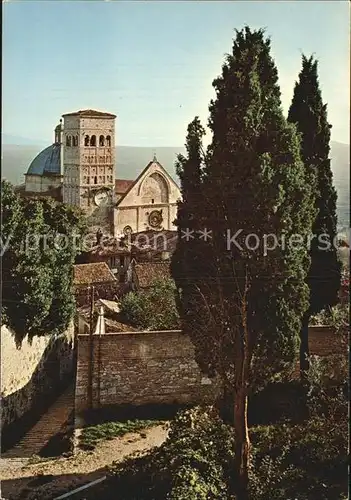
44	479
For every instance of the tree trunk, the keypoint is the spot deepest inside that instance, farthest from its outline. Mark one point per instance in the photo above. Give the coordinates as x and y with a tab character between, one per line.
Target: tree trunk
304	349
242	445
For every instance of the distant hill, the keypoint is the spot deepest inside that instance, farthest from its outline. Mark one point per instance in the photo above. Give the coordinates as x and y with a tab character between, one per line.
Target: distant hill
131	160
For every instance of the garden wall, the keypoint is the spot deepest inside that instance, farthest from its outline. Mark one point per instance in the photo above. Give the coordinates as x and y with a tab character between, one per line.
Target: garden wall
33	374
141	368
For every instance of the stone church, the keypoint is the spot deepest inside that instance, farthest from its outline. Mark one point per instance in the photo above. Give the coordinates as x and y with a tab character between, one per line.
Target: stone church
79	169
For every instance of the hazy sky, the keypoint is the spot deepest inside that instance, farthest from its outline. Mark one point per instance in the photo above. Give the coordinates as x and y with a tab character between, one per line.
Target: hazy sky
152	63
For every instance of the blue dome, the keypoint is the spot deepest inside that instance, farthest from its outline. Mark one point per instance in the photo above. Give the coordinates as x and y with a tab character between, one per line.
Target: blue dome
47	161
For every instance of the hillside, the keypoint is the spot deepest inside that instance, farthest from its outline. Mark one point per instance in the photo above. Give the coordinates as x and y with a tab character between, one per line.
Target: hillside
131	160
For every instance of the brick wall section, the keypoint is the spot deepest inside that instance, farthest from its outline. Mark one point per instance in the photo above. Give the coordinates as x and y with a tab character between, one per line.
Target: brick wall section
141	368
156	367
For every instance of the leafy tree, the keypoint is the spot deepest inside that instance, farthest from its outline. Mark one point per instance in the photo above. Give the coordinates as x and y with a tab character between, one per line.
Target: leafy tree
309	113
37	271
251	292
154	309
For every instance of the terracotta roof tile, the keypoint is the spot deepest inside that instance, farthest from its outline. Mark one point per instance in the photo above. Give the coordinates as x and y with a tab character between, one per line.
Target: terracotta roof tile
122	185
97	272
89	112
147	272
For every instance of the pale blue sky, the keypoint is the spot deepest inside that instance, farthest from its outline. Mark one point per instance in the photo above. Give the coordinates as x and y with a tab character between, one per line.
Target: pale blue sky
152	63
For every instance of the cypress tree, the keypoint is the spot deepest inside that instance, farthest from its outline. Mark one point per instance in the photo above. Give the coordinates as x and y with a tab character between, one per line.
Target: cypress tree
309	113
250	298
187	258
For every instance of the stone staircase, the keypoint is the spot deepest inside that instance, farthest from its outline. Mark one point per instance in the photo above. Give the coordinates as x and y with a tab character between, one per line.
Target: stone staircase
50	424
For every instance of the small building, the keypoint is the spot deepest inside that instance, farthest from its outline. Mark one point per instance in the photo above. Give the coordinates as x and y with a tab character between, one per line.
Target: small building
97	277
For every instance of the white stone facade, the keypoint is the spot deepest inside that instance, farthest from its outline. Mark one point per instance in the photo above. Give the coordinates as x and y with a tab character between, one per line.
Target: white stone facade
153	192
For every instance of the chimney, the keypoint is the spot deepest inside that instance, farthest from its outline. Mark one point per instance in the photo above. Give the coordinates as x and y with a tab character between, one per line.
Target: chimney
100	325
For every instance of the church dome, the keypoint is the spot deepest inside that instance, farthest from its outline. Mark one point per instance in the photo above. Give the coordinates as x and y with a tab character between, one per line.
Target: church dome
47	161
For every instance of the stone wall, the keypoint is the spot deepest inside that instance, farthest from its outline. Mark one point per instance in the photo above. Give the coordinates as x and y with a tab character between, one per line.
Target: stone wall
33	373
156	368
323	341
140	368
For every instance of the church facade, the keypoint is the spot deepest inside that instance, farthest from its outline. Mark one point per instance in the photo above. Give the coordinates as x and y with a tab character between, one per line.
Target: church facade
79	170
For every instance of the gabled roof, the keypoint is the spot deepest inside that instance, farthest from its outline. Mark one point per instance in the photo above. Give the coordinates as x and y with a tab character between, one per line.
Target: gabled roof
122	185
154	160
147	272
90	112
97	272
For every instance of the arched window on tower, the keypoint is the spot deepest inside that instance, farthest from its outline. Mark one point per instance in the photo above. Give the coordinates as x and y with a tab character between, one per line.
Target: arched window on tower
108	141
95	179
101	140
75	141
68	141
86	140
93	140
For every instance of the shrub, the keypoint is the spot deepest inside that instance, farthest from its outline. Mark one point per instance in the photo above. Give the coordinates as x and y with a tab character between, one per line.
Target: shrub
193	464
154	309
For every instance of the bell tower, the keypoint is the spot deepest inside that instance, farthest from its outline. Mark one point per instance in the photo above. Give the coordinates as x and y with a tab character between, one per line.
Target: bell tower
89	166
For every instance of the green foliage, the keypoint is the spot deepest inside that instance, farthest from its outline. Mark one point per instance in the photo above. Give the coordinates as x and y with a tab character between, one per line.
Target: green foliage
309	113
191	465
305	461
37	269
252	179
309	460
154	309
92	435
338	317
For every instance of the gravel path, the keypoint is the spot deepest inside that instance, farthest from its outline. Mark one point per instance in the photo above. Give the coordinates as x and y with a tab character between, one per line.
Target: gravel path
21	477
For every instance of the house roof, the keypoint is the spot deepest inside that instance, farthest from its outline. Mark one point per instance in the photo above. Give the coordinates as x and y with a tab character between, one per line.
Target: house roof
147	272
122	185
154	241
97	272
111	325
90	112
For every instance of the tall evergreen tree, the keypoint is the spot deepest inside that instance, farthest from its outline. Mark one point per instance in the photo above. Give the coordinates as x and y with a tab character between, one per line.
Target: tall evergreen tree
251	299
188	258
309	113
